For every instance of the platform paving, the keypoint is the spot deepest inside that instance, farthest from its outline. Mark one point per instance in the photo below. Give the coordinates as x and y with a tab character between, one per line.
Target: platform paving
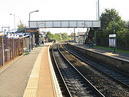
45	86
42	81
105	52
14	76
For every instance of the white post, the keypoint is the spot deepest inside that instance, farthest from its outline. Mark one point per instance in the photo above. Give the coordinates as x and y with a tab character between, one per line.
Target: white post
98	10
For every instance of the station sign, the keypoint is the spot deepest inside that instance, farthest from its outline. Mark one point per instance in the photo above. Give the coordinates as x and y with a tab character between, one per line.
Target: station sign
112	40
31	30
112	35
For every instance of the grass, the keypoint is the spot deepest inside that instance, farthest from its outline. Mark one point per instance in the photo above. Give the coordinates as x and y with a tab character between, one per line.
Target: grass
26	53
112	49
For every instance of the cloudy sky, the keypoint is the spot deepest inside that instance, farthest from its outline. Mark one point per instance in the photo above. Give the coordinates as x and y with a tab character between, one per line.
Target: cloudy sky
56	9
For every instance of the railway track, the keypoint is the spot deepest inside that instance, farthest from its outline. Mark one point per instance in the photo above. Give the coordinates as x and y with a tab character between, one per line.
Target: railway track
102	82
76	84
114	74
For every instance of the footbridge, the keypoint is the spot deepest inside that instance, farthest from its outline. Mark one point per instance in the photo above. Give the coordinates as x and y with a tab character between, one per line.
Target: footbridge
65	24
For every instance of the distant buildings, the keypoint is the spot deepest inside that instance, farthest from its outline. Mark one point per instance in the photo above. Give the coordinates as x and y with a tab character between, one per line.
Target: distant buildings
80	37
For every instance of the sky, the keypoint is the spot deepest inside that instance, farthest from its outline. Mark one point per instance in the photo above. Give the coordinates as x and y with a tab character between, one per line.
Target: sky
56	10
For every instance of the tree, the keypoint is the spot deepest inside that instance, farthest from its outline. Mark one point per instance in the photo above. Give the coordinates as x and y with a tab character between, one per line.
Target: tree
108	16
64	36
57	36
21	27
49	35
111	22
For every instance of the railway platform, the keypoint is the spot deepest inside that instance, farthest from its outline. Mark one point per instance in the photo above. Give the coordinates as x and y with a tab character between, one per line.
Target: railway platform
106	52
42	81
30	75
14	75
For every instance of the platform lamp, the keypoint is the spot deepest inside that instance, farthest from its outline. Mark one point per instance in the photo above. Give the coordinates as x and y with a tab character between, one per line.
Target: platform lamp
14	19
30	15
30	40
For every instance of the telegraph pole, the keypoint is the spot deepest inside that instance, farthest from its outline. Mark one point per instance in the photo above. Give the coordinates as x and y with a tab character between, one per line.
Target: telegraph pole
98	10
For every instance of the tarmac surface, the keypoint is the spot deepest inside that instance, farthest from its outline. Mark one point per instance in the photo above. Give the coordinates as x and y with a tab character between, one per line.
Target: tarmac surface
14	76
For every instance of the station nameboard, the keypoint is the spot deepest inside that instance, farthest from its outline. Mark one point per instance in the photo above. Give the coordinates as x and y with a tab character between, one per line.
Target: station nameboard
112	40
112	35
32	30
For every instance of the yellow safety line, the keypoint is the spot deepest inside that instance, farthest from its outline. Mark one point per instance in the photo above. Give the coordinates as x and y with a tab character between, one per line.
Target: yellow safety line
32	86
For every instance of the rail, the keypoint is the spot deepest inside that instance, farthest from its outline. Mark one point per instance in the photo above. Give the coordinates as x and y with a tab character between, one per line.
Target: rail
72	72
113	74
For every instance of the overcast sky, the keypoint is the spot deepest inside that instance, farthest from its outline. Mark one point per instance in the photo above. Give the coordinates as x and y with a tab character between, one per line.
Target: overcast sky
57	9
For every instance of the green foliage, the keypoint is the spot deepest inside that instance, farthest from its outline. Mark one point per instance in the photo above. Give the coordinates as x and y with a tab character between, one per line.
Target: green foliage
57	36
111	22
108	16
49	35
21	27
111	49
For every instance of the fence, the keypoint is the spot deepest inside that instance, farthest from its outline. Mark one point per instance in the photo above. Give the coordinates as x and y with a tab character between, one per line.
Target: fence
11	48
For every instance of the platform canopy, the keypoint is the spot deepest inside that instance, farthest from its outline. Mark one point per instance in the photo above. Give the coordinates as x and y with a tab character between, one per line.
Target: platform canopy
65	24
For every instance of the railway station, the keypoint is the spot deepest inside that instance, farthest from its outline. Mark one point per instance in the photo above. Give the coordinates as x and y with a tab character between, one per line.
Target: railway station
83	58
60	69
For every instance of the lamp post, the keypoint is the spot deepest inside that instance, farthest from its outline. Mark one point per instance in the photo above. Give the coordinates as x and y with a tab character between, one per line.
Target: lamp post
30	15
31	36
14	18
115	36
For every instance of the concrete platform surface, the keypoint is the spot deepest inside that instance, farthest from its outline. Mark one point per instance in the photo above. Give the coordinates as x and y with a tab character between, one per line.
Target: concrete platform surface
42	82
15	75
105	52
